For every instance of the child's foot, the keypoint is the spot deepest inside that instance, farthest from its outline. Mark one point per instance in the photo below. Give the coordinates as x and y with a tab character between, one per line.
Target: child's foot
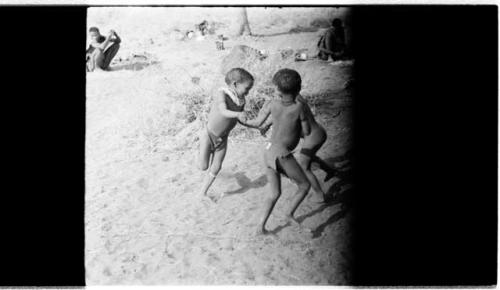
221	196
316	198
328	198
294	223
207	198
265	234
261	231
329	175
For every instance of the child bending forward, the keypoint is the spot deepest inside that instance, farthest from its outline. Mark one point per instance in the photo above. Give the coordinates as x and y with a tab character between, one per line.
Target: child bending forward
226	109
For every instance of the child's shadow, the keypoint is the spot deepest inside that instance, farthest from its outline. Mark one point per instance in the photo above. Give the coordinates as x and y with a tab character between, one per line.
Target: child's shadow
246	183
345	198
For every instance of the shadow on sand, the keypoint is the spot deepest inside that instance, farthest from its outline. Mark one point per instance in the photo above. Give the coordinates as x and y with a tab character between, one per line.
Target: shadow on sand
246	183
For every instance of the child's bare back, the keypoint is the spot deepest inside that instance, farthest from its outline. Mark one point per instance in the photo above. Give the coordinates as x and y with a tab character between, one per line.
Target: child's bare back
287	126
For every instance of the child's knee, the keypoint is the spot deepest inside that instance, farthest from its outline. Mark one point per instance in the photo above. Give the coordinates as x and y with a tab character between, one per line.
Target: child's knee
305	185
203	166
272	196
215	168
304	162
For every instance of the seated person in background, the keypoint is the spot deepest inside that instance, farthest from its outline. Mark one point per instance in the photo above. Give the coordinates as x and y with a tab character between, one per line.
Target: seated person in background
100	51
332	43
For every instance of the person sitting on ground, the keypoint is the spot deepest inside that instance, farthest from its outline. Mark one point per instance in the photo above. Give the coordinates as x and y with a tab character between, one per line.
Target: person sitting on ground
289	119
101	49
225	112
311	145
332	42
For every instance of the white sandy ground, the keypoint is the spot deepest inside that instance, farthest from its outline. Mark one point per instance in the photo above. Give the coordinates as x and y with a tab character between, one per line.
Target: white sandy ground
145	222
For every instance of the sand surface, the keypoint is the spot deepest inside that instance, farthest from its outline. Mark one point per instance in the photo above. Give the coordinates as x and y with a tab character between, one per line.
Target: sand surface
145	222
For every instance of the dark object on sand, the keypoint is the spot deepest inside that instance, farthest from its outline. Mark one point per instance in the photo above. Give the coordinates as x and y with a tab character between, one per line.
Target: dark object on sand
301	56
202	27
195	80
189	34
286	53
219	45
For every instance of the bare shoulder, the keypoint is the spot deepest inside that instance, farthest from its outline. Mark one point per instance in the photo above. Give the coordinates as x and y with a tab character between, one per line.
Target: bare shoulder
300	98
220	96
301	105
304	103
269	104
275	105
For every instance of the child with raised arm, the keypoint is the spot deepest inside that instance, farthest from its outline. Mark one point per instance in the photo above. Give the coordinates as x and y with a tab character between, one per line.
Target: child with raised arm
289	120
312	143
227	109
101	49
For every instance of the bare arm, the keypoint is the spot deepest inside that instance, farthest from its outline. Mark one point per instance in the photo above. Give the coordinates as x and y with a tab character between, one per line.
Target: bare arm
265	127
117	39
263	115
328	40
221	105
304	123
106	41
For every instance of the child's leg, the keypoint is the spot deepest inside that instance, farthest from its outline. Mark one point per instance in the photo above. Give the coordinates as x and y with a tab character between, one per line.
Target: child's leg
205	151
109	54
274	193
330	172
98	57
305	163
295	173
218	158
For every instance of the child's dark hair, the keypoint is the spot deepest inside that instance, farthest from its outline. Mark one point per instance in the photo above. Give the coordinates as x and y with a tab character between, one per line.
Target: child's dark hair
337	23
288	81
238	75
94	29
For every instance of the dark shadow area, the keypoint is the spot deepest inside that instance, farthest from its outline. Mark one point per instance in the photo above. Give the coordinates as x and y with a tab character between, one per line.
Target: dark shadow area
135	66
279	228
343	171
338	196
345	198
337	216
246	183
314	212
347	156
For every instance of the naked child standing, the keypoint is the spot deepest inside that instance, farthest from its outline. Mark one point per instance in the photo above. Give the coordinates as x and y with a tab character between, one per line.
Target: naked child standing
225	112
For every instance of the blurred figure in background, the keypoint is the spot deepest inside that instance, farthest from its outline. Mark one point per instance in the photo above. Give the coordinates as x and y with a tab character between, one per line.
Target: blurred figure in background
332	43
